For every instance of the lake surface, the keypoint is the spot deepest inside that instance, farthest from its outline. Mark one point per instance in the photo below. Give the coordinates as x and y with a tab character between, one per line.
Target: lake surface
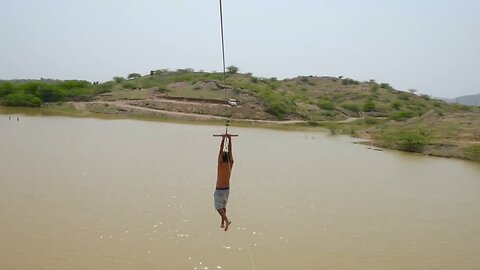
124	194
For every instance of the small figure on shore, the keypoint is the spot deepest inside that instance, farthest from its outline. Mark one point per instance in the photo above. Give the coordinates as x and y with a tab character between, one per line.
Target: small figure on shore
9	118
224	171
18	119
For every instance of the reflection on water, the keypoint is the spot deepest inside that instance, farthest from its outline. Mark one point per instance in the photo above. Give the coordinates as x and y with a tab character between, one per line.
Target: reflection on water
121	194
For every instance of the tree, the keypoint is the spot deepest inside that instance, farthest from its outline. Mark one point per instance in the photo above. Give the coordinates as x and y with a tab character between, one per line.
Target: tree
6	88
232	69
133	76
118	79
332	127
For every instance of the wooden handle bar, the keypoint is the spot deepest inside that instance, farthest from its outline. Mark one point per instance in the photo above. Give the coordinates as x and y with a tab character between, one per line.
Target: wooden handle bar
231	135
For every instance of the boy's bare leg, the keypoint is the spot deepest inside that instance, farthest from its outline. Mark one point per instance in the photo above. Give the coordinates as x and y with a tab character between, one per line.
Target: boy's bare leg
228	221
222	214
225	220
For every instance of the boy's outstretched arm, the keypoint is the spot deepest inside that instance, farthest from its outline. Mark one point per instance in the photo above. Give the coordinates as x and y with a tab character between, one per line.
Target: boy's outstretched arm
230	154
221	148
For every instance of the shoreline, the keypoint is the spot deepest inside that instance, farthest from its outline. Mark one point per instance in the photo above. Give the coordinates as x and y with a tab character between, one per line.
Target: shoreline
147	114
55	111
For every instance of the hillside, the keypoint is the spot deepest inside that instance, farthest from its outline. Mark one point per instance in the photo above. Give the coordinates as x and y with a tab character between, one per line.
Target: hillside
470	100
371	110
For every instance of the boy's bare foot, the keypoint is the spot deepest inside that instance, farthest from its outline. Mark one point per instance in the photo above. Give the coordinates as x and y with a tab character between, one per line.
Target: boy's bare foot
222	226
228	224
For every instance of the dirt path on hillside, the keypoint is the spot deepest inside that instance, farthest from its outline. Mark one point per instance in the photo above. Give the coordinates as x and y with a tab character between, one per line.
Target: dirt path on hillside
126	106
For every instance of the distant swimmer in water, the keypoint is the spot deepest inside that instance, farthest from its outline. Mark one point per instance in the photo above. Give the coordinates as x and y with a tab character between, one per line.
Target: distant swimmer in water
222	190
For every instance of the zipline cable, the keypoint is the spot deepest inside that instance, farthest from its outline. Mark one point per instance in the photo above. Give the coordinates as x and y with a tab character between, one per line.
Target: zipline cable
227	123
223	51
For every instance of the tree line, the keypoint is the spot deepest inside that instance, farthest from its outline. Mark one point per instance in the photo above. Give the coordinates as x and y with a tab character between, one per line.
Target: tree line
35	93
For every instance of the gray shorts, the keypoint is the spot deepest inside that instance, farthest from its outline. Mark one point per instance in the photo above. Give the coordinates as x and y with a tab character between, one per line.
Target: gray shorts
221	198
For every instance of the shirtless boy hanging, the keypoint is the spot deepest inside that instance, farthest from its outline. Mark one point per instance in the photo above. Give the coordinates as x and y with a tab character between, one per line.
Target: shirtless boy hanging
224	170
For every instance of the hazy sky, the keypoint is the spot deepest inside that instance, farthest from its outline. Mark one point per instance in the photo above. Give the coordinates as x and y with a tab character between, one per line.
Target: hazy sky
429	45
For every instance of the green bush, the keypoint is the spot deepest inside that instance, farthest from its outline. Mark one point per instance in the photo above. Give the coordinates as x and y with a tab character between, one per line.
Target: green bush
333	127
81	94
118	79
22	99
185	70
273	83
404	96
438	104
73	84
411	141
473	152
45	91
386	86
278	108
128	85
329	114
325	104
104	87
6	88
313	123
349	81
396	105
426	97
369	106
276	104
398	116
304	79
351	107
29	93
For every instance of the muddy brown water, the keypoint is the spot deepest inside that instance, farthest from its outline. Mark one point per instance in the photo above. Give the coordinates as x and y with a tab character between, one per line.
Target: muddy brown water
124	194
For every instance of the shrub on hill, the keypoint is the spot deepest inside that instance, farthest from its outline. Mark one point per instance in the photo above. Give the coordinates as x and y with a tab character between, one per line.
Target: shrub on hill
134	76
325	104
369	106
396	105
128	85
276	104
118	79
398	116
349	81
473	152
386	86
351	107
410	141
